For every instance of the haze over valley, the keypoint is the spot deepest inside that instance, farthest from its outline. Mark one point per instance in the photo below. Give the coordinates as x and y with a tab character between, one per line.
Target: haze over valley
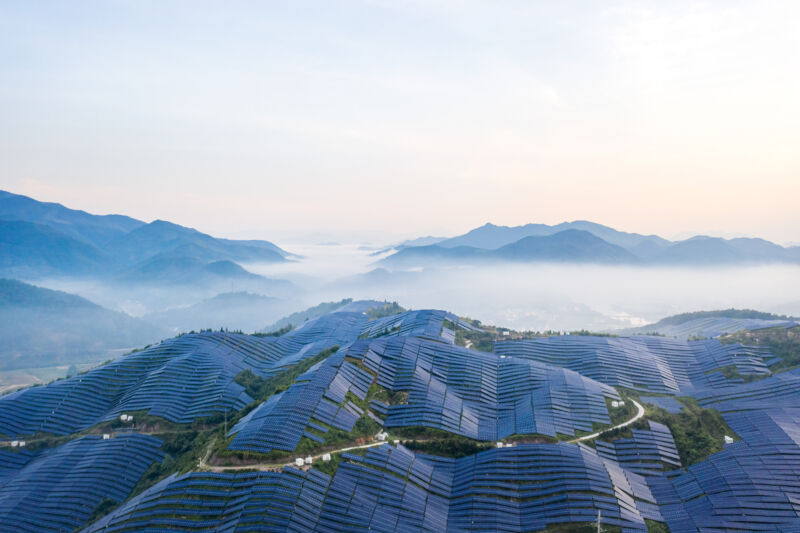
169	279
399	266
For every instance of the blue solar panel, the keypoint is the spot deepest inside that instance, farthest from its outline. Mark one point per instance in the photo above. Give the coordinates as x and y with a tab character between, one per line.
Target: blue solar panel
527	487
648	364
527	387
668	403
481	395
710	327
59	488
646	453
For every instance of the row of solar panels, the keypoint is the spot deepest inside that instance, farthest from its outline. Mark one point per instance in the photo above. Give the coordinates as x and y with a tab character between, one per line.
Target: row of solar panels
647	364
477	395
710	327
58	489
391	489
187	377
751	485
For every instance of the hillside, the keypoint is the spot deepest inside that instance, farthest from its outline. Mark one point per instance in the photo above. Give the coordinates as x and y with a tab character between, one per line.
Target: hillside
161	237
30	249
40	239
386	409
709	324
43	328
91	229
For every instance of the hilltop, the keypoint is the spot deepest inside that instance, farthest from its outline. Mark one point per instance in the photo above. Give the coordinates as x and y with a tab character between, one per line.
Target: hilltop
364	401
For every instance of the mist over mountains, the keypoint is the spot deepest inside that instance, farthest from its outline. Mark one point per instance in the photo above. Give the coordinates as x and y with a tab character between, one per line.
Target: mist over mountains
41	327
169	279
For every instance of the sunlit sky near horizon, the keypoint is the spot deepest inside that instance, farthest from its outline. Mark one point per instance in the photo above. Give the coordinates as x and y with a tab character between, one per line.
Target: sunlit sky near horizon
381	120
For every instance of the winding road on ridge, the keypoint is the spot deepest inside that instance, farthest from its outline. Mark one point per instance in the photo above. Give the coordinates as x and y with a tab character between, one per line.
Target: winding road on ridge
639	414
203	465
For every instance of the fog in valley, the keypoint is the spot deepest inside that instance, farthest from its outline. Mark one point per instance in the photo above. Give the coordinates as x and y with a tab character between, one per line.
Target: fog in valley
99	319
542	296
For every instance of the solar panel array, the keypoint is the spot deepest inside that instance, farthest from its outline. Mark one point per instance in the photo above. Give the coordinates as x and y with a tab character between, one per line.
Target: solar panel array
426	323
752	485
318	396
780	390
647	452
481	395
180	379
711	327
648	364
58	489
208	501
391	489
668	403
527	387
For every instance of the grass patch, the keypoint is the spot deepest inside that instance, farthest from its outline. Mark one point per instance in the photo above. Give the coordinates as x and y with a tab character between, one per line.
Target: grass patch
387	309
697	432
783	342
581	527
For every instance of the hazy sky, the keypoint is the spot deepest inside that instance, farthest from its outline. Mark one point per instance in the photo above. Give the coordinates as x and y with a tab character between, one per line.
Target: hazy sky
382	119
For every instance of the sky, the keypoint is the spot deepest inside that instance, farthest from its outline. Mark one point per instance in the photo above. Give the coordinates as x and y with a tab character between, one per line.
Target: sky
376	120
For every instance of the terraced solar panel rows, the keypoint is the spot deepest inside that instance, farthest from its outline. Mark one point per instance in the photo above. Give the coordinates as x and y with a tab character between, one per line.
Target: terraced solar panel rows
711	327
752	485
318	396
780	390
481	395
647	452
59	488
393	490
207	501
427	323
647	364
183	378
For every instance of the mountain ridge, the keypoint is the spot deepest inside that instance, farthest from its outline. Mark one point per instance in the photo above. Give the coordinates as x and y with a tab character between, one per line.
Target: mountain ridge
40	239
504	243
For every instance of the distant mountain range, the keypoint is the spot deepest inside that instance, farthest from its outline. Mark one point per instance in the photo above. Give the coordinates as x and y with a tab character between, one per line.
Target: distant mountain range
40	239
41	327
586	242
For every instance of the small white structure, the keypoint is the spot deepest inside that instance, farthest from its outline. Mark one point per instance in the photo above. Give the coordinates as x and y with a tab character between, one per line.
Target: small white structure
123	417
14	443
22	444
506	334
382	436
106	436
499	444
299	461
615	403
326	457
728	439
510	445
396	442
